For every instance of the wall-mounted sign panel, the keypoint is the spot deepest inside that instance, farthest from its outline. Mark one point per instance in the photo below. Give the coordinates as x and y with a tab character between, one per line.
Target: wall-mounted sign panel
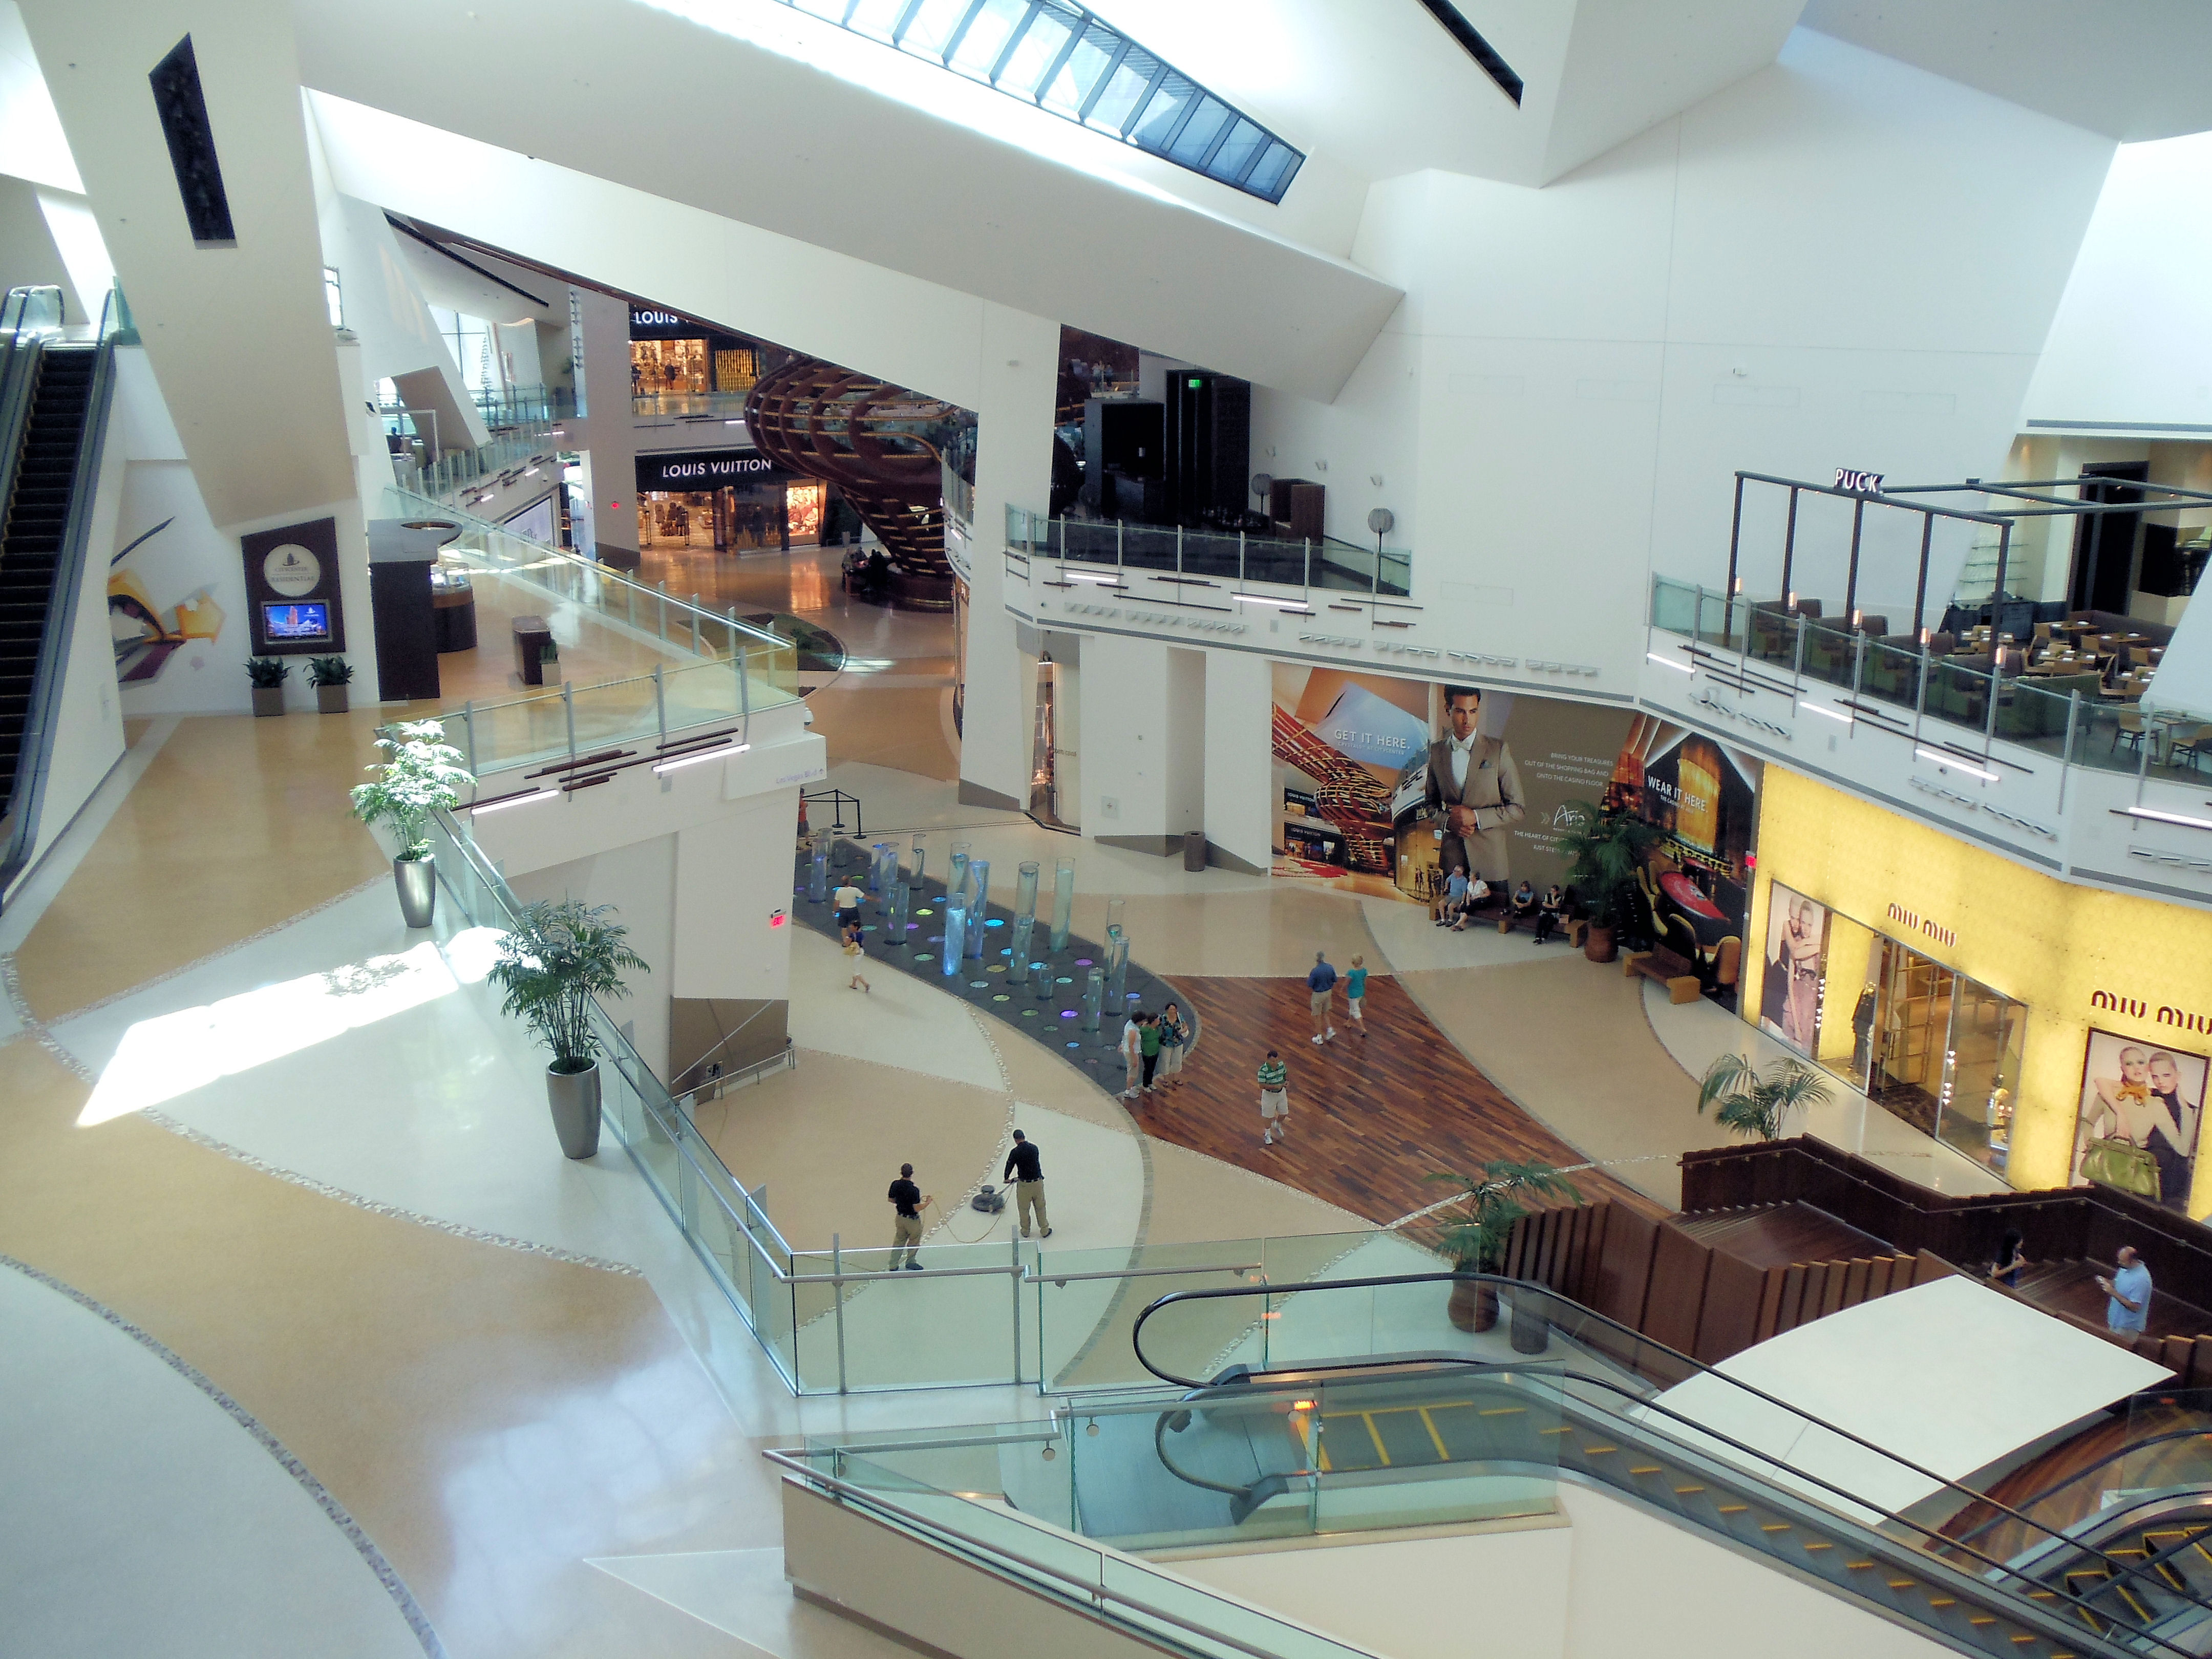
292	590
694	470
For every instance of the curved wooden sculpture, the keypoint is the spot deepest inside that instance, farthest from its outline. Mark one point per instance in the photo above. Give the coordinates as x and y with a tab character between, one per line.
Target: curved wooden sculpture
878	443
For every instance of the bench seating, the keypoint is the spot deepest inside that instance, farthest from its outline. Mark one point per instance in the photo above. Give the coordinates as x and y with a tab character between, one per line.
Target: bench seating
1677	974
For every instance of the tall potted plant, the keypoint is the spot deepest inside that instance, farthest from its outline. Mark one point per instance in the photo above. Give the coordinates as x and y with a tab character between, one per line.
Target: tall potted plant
268	675
1475	1240
330	676
558	958
1758	1107
1604	849
420	774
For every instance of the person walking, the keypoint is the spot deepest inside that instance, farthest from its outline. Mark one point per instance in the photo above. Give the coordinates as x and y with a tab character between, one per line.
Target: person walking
1132	1055
907	1202
1321	984
848	899
2128	1293
1149	1043
1274	1099
853	954
1174	1035
1355	993
1025	1169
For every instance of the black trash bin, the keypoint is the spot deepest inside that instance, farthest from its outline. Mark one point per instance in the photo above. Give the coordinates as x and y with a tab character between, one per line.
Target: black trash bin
1194	849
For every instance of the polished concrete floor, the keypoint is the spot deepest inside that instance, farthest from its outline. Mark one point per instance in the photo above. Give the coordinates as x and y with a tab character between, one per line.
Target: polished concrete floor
310	1327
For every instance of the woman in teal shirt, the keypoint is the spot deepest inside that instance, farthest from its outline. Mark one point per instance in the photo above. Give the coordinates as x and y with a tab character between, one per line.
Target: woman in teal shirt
1148	1039
1355	991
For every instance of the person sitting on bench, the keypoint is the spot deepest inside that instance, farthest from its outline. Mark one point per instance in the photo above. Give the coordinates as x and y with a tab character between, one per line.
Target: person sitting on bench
1524	904
1553	913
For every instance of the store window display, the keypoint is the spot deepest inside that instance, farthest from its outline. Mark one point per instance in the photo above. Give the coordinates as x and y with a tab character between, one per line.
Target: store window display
2142	1105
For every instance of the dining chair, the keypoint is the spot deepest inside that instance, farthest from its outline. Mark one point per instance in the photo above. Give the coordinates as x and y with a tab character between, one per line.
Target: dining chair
2197	743
2130	727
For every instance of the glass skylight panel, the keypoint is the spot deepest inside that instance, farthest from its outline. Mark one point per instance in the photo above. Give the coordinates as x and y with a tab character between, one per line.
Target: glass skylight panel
1037	49
1080	71
1056	55
984	42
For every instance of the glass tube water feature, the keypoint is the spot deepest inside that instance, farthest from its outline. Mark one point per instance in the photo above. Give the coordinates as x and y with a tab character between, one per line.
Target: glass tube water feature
956	932
895	912
920	859
877	855
1063	902
1044	979
978	904
818	871
1117	969
1116	909
1094	997
956	874
1025	892
1018	967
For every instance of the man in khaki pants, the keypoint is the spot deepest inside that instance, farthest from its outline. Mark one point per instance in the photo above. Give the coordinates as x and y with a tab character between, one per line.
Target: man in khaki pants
906	1205
1027	1173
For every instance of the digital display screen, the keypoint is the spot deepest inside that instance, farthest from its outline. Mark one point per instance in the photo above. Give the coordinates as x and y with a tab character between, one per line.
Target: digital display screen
294	620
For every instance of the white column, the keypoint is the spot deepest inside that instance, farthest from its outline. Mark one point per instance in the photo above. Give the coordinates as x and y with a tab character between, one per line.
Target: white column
1240	811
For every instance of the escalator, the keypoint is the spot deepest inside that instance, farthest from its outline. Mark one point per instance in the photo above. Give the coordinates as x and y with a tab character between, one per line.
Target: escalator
1326	1443
53	399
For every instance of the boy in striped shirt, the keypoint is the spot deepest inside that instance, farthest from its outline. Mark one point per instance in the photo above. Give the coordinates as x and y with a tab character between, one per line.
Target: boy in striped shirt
1274	1099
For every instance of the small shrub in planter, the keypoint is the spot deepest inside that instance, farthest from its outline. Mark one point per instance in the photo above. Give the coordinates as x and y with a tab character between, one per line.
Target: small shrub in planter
561	958
1476	1236
268	675
330	676
420	774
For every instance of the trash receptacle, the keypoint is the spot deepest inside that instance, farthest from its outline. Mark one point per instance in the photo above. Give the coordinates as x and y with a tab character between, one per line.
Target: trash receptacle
1194	849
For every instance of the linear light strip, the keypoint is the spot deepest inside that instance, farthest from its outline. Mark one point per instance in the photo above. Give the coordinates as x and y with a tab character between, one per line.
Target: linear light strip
2167	817
1952	762
1815	709
705	755
513	800
1303	607
1669	662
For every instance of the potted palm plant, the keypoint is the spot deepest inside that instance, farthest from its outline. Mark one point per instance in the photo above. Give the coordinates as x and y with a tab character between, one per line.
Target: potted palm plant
1758	1107
1475	1240
268	675
558	958
1605	848
420	774
330	676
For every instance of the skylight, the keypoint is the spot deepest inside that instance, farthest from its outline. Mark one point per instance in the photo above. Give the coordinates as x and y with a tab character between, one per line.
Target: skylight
1062	58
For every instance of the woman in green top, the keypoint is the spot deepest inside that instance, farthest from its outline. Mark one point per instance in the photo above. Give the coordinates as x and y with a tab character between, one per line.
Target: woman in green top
1174	1034
1274	1099
1355	991
1148	1039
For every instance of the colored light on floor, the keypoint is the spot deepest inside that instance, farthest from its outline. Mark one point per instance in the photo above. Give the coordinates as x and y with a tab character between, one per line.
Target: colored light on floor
912	925
1063	980
1028	1013
1001	997
994	922
1083	962
979	984
1067	1013
924	913
1075	1045
924	956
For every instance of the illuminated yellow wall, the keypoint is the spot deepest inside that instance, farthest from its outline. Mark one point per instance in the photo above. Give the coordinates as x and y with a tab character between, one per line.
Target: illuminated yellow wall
2047	943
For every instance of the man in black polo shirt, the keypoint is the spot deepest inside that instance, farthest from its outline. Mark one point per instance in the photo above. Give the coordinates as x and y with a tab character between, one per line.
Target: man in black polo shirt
907	1202
1027	1173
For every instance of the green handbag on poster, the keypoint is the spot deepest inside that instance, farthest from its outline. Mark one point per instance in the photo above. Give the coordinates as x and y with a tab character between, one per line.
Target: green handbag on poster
2122	1163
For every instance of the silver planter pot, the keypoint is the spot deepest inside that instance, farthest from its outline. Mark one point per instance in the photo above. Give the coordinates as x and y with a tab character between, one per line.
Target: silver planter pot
417	882
574	1098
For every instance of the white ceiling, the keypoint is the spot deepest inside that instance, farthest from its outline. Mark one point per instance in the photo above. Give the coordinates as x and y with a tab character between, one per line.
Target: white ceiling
1378	88
2129	69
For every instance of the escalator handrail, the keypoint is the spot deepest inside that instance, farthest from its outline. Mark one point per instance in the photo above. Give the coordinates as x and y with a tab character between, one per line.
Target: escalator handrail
2053	1490
1995	1579
1523	1287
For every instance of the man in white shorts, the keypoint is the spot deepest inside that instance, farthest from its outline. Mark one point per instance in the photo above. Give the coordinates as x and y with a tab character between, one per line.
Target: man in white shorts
1274	1099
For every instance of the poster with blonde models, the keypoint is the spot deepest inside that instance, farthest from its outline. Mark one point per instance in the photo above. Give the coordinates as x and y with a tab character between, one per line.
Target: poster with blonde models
1796	958
2140	1106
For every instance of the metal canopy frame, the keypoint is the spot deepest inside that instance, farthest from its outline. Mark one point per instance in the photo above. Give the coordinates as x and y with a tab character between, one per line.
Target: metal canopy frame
2170	497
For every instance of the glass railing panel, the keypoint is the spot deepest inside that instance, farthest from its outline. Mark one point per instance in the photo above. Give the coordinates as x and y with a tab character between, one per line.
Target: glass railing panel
1674	605
1148	547
1345	569
1959	693
1829	653
674	405
1284	563
1207	554
1328	563
1771	633
1891	674
1085	1304
956	1321
1078	541
2034	711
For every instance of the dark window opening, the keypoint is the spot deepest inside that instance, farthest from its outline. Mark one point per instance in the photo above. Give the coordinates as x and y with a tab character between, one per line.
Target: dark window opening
1477	48
182	109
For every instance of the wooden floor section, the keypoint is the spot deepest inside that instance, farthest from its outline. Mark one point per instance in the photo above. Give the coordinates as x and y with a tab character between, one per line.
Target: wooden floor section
1371	1117
1777	1235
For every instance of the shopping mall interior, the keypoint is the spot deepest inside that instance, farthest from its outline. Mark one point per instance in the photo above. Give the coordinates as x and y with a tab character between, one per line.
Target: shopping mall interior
1343	831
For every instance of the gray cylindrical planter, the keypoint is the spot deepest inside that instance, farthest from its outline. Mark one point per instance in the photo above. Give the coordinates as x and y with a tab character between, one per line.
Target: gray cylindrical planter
574	1098
331	699
268	700
417	881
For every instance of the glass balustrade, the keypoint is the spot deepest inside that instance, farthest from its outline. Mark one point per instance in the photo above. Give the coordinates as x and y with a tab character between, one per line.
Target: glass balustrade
1137	551
2073	717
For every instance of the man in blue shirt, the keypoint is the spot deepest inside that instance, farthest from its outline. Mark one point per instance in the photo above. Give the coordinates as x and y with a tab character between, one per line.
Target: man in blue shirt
2129	1291
1321	982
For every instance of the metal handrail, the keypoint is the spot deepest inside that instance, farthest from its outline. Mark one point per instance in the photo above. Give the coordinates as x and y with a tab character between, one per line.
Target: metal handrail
967	1545
2052	1491
1521	1287
1058	1280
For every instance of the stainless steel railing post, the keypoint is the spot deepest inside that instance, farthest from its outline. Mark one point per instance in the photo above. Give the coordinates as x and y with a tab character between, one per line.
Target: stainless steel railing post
837	1295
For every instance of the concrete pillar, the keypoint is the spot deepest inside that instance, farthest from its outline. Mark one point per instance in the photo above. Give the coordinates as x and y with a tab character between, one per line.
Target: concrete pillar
1143	742
1239	761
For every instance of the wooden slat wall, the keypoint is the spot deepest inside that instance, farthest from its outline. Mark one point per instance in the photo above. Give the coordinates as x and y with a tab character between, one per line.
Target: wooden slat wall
1676	1297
